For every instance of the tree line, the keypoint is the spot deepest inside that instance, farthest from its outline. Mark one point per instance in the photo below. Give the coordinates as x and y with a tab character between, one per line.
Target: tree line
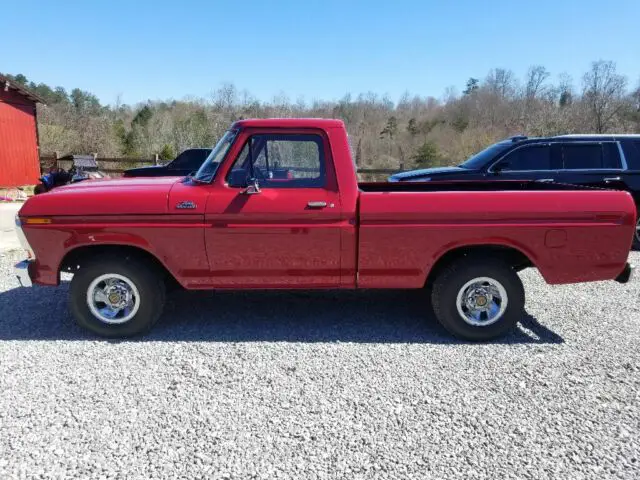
415	131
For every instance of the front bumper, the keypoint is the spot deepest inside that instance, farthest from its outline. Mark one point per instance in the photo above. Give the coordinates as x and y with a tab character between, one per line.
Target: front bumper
21	271
626	274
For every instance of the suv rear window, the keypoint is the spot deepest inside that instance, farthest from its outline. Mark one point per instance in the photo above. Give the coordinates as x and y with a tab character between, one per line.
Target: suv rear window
611	155
590	156
631	149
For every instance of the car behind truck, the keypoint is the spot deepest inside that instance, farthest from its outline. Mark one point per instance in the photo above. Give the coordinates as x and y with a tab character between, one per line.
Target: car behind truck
277	205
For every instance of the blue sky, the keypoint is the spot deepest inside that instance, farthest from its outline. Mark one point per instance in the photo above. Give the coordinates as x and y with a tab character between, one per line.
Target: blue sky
313	49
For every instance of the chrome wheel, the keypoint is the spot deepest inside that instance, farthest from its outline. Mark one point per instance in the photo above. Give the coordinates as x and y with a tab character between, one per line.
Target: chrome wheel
113	298
638	231
482	301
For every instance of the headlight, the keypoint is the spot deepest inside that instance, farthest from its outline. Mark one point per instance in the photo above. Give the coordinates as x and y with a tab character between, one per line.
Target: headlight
23	239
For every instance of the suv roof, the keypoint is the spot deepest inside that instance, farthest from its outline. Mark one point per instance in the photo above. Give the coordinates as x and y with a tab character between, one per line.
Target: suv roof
572	137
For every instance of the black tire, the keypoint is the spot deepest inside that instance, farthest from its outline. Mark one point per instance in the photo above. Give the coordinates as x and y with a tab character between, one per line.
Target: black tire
636	236
453	277
144	276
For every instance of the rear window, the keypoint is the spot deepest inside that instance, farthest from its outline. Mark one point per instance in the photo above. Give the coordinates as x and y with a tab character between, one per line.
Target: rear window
590	156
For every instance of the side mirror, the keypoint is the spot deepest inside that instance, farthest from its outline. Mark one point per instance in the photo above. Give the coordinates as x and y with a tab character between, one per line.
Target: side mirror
500	166
253	188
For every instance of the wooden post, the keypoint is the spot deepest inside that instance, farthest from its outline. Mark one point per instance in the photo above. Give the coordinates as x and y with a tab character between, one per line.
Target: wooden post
156	159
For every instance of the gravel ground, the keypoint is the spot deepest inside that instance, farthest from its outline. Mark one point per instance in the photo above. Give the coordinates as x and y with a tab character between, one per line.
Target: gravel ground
8	238
322	385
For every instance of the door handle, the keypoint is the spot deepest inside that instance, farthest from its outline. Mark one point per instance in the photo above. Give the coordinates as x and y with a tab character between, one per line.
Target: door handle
545	180
316	204
612	179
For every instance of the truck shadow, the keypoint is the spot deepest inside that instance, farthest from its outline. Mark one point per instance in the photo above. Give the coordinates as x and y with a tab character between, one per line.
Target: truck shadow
306	316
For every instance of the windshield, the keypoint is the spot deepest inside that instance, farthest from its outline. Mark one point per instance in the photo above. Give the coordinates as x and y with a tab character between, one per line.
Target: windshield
191	159
480	159
211	164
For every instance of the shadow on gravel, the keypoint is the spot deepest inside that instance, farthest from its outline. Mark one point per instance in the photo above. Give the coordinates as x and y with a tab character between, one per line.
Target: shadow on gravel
316	316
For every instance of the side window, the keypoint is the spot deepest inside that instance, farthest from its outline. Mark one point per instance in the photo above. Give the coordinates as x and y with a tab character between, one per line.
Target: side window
631	149
611	156
530	157
282	161
582	156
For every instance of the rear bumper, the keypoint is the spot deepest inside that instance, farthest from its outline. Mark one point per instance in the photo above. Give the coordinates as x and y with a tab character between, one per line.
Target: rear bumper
626	274
21	271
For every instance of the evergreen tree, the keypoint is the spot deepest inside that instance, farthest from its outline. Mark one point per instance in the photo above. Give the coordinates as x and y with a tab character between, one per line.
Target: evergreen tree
426	155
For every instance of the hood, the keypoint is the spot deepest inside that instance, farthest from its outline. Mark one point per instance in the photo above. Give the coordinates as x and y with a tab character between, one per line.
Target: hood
423	174
143	169
104	197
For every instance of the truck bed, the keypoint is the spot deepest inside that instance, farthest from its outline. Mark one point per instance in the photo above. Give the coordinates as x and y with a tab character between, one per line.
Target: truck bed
560	228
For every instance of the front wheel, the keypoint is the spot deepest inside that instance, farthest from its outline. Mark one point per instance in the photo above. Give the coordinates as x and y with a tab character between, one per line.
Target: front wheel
117	297
636	236
477	299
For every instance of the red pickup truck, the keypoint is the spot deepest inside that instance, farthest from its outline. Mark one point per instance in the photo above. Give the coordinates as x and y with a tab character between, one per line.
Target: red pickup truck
277	204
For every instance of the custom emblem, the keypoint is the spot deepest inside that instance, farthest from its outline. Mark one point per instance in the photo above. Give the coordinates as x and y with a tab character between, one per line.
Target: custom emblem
185	205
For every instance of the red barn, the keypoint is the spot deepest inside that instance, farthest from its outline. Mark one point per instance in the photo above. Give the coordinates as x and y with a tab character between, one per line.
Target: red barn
19	154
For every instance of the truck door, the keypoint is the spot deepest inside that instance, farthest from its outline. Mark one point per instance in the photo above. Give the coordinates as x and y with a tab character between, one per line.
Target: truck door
275	214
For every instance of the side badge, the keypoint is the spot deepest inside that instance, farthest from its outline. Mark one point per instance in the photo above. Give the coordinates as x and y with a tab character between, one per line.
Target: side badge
185	205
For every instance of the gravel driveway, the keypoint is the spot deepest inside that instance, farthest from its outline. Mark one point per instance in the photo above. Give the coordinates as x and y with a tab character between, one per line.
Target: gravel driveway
8	238
322	385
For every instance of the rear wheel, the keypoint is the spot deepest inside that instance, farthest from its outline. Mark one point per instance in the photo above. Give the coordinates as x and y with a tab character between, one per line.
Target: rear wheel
117	297
477	299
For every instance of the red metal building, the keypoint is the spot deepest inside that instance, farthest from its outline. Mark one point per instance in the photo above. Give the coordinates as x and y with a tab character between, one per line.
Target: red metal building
19	154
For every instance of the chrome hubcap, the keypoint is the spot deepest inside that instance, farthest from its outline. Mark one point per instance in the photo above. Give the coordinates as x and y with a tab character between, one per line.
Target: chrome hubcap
113	298
482	301
638	231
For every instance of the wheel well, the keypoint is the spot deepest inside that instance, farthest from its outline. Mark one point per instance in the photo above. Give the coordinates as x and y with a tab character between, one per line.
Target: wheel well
76	258
512	256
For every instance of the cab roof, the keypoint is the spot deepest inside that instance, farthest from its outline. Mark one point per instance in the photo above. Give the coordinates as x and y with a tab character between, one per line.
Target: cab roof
289	123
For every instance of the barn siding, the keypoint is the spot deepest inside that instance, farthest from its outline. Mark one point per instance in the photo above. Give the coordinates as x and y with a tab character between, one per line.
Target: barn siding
19	160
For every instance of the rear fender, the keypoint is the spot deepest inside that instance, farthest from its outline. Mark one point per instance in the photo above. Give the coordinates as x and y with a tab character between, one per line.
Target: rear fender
491	246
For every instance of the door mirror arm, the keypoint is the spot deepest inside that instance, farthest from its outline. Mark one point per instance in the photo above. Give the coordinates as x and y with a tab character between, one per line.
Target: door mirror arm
253	187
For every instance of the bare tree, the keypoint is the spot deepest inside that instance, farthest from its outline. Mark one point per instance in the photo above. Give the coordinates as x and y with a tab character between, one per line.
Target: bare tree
501	82
603	92
536	76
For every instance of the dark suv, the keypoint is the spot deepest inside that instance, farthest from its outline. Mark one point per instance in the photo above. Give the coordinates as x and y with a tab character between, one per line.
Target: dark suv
606	161
184	164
